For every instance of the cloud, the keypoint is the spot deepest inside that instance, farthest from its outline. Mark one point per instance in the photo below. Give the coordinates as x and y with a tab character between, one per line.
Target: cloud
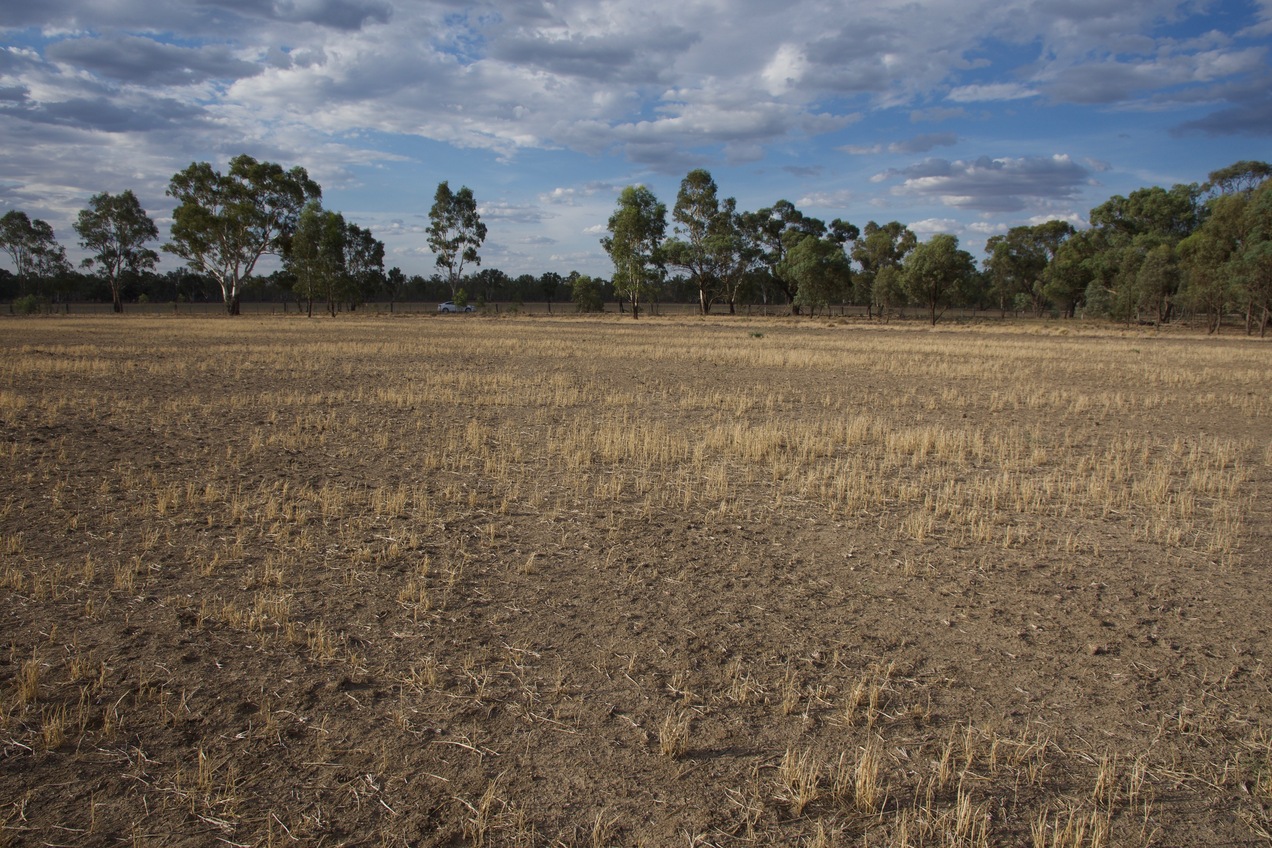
827	199
993	185
992	91
347	15
923	143
144	61
1248	113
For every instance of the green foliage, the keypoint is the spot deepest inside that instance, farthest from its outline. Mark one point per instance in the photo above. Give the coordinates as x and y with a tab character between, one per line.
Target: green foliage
32	246
935	271
585	293
224	223
116	229
881	247
455	232
635	244
820	270
29	304
1018	262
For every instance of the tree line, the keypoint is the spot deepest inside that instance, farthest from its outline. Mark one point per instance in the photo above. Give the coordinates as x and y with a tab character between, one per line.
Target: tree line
1200	250
223	225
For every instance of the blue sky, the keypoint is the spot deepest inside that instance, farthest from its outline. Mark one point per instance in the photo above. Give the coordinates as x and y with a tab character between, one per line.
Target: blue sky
962	116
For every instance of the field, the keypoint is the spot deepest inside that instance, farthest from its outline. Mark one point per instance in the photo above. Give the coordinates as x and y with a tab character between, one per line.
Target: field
466	581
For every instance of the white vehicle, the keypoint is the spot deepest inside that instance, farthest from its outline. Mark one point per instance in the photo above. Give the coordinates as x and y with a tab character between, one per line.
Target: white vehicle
449	306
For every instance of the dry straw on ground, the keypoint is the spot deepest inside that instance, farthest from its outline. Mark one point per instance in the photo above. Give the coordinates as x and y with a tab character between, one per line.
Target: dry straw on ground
549	582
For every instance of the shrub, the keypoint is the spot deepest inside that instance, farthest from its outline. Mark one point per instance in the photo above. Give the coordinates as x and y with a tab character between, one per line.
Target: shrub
29	304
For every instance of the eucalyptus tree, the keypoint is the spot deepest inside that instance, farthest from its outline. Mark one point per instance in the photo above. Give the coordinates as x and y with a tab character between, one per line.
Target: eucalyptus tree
1254	262
1018	262
1069	274
635	244
1130	229
935	271
777	229
316	256
395	283
695	213
224	223
455	232
713	243
33	248
363	265
880	247
1238	178
820	270
116	229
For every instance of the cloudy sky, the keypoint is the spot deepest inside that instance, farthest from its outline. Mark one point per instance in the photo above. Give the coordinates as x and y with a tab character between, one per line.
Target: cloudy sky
963	116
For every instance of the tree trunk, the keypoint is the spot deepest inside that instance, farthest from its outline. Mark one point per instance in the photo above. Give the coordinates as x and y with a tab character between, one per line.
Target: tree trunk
117	302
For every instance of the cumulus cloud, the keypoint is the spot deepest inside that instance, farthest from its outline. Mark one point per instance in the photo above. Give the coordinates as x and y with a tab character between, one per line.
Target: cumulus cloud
113	89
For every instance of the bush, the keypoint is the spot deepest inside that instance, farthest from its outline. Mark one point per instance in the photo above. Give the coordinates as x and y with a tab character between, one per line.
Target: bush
586	294
29	304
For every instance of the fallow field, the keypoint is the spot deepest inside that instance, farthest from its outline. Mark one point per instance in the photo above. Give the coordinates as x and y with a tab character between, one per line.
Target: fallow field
465	581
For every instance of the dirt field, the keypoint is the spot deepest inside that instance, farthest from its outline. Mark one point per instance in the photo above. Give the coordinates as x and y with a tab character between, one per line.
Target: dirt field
465	581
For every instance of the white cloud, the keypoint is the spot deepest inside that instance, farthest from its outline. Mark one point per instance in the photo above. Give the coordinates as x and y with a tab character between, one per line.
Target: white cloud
992	91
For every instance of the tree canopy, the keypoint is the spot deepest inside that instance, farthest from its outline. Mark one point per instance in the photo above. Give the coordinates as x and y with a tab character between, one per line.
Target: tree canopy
224	223
116	229
455	232
635	244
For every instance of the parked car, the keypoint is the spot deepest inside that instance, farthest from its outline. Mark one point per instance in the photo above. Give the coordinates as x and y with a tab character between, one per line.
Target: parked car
449	306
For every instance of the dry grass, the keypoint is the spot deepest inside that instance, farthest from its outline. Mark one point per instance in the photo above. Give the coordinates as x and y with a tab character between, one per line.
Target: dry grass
566	582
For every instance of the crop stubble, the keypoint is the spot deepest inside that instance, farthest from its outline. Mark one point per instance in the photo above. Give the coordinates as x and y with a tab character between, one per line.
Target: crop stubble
590	582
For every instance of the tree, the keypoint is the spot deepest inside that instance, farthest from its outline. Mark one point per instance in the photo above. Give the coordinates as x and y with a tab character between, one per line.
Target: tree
316	256
363	265
881	247
455	233
549	282
820	270
224	223
1208	285
774	231
1238	178
695	213
1068	274
635	242
1129	230
33	248
394	285
1252	264
1018	263
115	228
935	270
585	292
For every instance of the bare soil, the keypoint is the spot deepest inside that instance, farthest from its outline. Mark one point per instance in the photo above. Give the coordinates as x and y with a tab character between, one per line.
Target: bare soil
446	581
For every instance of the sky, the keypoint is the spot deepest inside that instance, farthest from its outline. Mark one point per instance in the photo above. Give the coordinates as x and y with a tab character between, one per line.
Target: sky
959	116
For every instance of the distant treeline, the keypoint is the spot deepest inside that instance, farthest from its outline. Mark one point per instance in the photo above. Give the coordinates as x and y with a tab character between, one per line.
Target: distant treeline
1201	251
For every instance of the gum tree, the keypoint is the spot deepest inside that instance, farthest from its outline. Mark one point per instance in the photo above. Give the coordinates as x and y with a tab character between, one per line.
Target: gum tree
455	233
225	223
32	246
116	229
935	271
635	244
